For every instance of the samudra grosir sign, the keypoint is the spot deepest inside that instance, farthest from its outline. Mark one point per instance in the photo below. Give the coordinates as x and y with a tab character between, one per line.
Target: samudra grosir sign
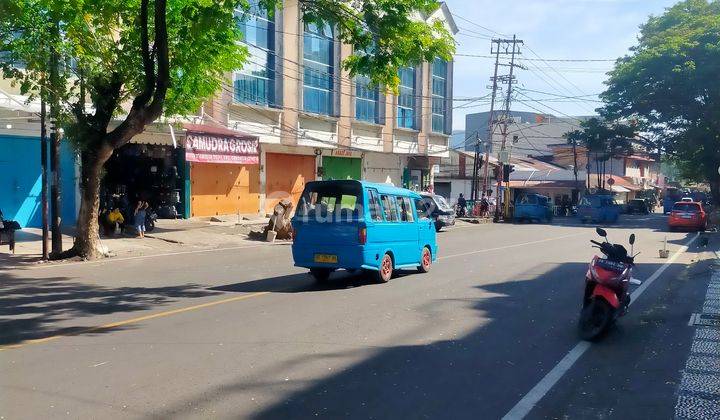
220	146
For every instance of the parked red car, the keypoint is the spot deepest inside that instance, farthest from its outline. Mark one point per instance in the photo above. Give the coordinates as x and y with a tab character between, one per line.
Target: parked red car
685	215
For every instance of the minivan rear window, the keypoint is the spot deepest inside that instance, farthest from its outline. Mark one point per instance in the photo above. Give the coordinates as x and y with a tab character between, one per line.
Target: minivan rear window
687	207
330	202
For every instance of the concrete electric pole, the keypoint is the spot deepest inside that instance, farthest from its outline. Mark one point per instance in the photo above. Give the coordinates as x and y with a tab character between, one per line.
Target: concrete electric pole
510	47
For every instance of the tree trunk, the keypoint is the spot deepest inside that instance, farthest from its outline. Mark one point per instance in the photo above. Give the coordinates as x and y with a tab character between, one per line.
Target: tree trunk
87	237
715	190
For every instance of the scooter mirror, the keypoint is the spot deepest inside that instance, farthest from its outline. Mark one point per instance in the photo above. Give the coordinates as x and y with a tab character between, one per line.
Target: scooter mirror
601	232
632	239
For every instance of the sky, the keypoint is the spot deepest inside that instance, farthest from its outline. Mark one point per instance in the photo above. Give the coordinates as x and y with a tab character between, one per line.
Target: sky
551	29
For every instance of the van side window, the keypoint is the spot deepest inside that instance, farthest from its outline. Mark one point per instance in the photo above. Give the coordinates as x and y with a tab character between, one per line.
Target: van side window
421	207
406	213
389	208
375	210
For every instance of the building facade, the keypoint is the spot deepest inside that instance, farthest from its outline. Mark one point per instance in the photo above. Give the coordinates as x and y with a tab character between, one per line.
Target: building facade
315	122
20	164
299	111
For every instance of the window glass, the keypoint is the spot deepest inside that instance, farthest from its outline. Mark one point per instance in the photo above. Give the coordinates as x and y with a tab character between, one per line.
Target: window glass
323	200
406	98
375	210
439	95
348	202
421	207
389	208
529	199
255	82
366	100
686	207
406	211
318	69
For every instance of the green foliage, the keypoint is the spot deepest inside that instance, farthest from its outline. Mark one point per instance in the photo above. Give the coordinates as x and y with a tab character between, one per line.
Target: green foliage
669	83
100	42
384	34
603	140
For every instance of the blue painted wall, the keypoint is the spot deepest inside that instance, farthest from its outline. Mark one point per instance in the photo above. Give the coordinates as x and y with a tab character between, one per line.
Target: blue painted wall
20	182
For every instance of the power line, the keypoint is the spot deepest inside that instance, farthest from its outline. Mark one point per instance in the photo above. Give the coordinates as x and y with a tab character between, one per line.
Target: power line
561	60
557	72
478	25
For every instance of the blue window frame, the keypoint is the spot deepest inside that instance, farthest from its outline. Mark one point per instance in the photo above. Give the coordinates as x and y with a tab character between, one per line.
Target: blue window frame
439	96
255	83
406	98
319	69
366	100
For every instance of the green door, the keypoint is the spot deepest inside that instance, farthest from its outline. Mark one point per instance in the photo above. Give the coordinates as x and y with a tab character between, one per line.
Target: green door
341	168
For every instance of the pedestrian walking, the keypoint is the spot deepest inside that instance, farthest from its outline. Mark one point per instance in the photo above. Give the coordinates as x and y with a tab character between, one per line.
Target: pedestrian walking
484	206
140	213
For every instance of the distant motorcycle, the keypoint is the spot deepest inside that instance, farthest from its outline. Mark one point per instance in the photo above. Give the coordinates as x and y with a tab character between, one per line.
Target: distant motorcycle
150	218
606	296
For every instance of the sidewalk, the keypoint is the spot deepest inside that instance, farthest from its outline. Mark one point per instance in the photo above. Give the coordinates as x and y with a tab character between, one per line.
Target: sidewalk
699	393
168	236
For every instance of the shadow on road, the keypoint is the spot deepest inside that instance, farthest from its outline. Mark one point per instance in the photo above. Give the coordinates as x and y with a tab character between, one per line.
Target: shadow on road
32	308
301	283
523	328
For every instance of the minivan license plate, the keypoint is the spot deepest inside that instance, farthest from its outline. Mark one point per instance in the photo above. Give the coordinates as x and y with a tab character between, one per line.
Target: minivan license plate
326	258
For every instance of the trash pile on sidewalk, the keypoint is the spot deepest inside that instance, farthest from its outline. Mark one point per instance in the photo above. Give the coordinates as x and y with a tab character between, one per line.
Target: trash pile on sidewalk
278	227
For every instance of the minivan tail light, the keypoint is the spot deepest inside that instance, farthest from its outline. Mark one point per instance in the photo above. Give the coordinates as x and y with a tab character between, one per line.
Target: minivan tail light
362	235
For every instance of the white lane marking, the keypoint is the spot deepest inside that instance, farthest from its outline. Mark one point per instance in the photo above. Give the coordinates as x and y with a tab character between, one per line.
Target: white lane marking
100	364
691	322
523	407
500	248
137	257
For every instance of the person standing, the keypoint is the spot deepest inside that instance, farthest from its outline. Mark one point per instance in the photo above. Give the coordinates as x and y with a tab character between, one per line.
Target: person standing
140	213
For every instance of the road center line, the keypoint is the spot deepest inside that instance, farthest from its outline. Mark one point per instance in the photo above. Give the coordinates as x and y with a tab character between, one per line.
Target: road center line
217	302
526	404
221	301
138	257
133	320
500	248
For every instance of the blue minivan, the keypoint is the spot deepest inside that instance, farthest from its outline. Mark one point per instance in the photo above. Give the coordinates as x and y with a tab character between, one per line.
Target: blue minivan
358	225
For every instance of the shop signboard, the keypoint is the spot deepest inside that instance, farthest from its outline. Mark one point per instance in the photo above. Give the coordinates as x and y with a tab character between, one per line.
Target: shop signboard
212	145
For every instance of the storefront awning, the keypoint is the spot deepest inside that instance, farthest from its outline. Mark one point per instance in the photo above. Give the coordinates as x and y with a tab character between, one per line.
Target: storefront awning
619	189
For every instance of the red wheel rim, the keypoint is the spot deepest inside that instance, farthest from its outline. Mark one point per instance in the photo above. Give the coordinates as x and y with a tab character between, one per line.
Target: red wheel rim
386	267
426	258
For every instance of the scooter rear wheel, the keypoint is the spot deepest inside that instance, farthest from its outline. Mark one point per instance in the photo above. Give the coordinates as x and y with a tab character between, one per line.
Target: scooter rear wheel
595	317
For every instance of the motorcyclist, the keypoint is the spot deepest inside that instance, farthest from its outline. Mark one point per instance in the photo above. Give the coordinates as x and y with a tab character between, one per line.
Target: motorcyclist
461	205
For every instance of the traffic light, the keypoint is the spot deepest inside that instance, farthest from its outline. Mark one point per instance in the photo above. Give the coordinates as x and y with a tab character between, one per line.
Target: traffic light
507	170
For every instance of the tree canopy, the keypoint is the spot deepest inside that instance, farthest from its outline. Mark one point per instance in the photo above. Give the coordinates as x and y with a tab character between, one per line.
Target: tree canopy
669	84
138	59
602	141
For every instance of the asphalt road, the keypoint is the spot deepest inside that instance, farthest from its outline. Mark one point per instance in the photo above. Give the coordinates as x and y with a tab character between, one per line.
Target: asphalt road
242	334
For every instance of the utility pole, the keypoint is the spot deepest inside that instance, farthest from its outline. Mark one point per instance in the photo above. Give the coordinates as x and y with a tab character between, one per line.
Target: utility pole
491	119
506	117
575	167
476	166
55	193
43	175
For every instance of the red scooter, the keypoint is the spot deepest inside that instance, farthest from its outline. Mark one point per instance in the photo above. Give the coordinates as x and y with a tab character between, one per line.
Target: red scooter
607	280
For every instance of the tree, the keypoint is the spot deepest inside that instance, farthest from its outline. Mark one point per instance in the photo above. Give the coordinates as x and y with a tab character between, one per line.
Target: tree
669	84
139	59
602	142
